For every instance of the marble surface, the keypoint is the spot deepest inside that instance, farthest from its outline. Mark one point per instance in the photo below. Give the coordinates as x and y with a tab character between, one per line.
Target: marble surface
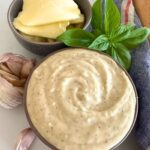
13	121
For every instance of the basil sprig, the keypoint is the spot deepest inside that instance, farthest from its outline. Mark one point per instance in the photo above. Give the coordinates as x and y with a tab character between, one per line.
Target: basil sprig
108	34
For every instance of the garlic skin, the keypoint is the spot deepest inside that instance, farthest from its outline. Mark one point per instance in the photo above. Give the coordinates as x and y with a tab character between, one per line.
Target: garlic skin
14	71
25	139
10	97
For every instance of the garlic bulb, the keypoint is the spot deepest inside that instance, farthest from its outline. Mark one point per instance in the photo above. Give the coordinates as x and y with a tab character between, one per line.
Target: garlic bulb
14	71
25	139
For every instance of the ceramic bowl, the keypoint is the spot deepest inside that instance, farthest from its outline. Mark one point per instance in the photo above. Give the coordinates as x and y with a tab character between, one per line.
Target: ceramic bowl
43	48
42	138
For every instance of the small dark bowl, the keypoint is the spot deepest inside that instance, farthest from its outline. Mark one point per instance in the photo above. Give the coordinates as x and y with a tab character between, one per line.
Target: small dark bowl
36	131
43	48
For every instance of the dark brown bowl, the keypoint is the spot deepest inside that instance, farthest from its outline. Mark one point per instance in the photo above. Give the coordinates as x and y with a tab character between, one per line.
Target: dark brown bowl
43	48
42	138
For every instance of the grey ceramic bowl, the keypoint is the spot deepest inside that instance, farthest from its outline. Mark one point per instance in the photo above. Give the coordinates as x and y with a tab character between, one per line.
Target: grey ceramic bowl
42	138
44	48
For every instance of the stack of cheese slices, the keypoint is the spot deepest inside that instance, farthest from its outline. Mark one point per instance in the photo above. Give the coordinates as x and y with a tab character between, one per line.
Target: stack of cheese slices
47	18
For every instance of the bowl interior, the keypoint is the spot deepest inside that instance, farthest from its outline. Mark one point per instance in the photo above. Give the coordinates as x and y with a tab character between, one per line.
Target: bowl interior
16	7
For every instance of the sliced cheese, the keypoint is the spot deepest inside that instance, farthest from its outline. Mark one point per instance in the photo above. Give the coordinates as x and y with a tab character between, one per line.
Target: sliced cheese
33	38
41	12
78	20
48	31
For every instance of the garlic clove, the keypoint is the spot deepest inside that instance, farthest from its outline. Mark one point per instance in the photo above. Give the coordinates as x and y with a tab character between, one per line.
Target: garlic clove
14	70
25	139
6	74
15	67
15	82
10	97
19	83
4	68
26	69
12	78
15	63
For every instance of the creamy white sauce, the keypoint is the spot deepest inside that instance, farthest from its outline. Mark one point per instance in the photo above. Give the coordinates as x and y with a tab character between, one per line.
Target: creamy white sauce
81	100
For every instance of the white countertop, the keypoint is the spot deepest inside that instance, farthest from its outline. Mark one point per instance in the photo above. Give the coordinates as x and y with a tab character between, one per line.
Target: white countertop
12	121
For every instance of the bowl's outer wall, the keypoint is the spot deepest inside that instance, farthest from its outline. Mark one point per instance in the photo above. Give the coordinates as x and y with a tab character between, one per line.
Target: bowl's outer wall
44	48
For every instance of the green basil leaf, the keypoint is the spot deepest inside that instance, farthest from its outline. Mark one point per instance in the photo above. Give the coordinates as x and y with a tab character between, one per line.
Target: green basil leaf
129	36
136	37
101	43
97	32
121	54
97	15
76	38
121	32
111	16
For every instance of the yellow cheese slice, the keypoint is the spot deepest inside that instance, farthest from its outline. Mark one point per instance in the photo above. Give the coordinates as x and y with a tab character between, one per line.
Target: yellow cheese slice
78	20
41	12
34	38
48	31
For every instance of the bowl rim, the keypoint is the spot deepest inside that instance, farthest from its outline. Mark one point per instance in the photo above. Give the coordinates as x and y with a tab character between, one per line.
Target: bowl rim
86	25
70	48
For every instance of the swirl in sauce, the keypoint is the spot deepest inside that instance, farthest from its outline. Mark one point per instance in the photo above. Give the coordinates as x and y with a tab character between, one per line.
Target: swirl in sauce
81	100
